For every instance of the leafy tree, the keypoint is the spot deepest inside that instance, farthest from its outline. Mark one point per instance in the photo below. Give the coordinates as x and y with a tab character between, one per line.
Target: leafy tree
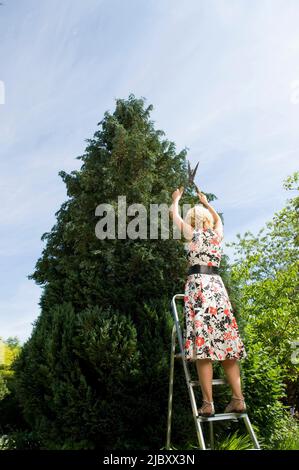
266	272
9	350
9	412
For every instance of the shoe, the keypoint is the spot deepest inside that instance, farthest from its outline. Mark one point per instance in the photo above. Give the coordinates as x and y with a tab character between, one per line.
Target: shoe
207	409
236	405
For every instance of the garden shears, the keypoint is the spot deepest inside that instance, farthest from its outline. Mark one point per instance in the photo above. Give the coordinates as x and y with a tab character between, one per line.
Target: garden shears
191	176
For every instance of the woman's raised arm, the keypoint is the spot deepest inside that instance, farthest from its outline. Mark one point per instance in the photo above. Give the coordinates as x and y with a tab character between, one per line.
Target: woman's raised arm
218	226
174	212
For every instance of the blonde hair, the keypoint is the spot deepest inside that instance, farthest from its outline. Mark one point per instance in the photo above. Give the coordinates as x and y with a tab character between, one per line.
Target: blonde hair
198	215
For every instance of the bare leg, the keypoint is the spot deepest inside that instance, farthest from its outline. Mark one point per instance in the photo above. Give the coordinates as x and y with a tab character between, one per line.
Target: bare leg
232	371
205	376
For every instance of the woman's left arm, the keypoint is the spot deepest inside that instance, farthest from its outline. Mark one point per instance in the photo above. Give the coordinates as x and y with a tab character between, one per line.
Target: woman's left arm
174	212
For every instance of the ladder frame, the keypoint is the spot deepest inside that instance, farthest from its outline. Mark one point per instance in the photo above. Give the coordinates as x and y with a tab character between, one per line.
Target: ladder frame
198	420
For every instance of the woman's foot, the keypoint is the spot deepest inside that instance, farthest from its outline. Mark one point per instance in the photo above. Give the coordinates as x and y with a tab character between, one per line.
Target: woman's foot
207	409
236	405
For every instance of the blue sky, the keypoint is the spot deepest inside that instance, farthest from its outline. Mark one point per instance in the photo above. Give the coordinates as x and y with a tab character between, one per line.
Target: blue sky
219	74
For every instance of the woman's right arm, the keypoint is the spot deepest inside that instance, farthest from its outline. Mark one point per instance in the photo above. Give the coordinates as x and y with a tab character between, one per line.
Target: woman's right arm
218	226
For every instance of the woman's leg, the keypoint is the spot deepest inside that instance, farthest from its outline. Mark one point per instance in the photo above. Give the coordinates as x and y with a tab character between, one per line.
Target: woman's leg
232	371
205	376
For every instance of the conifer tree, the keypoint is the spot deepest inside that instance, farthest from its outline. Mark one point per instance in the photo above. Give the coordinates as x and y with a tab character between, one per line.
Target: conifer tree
94	373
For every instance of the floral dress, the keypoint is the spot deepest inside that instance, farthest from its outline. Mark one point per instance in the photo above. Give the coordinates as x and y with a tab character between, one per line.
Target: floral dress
211	329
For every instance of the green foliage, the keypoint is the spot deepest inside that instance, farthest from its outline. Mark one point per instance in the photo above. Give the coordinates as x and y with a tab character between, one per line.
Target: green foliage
10	414
286	436
235	441
21	439
94	373
84	361
263	388
3	388
266	275
9	350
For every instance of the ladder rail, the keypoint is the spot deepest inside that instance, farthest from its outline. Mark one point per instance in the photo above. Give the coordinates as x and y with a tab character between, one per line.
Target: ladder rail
177	328
170	393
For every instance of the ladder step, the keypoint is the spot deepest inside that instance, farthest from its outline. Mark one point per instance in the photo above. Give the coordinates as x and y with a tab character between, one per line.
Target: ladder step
219	382
222	417
195	383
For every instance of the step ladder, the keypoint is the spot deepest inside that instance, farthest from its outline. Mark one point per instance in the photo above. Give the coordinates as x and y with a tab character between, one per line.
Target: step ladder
199	420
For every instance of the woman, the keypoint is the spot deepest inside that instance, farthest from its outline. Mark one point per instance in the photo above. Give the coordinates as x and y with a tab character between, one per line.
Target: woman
211	332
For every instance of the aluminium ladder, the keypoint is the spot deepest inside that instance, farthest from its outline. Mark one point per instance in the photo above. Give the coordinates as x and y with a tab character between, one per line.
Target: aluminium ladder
199	420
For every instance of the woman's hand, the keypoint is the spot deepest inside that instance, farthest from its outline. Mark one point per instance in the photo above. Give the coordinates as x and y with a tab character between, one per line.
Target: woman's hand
177	194
203	199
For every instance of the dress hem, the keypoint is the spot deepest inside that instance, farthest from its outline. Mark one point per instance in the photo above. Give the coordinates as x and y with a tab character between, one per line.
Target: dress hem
191	359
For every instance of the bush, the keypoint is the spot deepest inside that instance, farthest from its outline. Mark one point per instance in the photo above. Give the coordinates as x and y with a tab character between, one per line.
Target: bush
286	434
263	389
68	378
